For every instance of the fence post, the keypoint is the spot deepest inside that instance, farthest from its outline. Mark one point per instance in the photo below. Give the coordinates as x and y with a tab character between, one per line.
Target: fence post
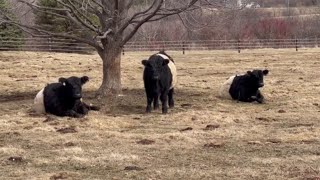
183	47
238	45
49	42
296	44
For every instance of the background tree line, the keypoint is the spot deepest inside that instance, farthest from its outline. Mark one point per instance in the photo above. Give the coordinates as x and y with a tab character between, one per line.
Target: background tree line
8	32
272	22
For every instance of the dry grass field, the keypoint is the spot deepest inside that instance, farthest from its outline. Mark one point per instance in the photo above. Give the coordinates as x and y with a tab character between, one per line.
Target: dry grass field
203	137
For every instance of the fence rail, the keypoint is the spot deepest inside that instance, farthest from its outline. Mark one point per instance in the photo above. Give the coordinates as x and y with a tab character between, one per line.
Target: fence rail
68	45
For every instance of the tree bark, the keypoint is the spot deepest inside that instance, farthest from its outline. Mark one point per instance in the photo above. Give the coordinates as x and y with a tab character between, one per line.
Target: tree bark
111	60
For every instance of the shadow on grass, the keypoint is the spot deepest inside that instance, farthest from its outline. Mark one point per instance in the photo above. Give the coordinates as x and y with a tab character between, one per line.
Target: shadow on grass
131	101
17	96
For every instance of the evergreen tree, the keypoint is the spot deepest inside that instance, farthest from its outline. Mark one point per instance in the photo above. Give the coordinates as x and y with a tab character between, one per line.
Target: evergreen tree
9	34
52	22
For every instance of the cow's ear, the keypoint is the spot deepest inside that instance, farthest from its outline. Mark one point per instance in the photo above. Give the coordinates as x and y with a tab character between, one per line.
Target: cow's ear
62	80
84	79
165	62
265	72
144	62
249	72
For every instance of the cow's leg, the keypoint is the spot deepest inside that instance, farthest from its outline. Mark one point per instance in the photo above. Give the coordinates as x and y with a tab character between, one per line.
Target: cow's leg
259	97
149	102
170	95
94	108
249	99
244	97
82	108
91	107
164	101
156	102
71	113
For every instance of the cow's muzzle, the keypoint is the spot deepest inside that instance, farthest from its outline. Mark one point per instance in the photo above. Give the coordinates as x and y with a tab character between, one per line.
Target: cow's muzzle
156	77
77	96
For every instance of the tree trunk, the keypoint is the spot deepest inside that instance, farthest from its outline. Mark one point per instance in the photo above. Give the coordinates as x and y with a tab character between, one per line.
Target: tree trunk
111	82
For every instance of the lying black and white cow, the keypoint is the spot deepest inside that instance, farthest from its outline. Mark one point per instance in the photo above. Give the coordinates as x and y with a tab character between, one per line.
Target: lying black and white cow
63	98
245	87
160	77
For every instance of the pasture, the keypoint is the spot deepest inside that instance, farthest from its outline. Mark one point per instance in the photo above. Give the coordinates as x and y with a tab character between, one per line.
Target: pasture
203	137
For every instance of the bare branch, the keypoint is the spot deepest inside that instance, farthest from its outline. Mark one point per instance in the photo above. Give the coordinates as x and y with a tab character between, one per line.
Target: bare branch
138	19
72	14
105	34
136	15
139	24
42	32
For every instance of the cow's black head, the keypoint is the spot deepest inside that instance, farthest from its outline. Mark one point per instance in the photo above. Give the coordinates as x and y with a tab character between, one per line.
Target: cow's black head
154	66
256	77
73	86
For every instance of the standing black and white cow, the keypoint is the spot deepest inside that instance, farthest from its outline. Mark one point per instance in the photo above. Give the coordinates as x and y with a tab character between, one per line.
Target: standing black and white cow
160	77
63	98
245	87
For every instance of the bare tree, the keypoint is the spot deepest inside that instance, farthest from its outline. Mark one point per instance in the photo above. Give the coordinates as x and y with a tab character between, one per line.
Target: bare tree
107	25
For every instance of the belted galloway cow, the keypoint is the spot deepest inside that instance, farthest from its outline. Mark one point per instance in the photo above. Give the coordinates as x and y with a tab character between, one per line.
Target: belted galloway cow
245	87
160	77
63	98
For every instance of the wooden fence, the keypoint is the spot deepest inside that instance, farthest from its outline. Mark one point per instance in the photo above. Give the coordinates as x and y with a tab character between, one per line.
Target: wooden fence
68	45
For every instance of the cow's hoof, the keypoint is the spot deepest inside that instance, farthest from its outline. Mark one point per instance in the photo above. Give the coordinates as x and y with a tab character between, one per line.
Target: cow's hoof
164	111
171	104
94	108
79	116
260	101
